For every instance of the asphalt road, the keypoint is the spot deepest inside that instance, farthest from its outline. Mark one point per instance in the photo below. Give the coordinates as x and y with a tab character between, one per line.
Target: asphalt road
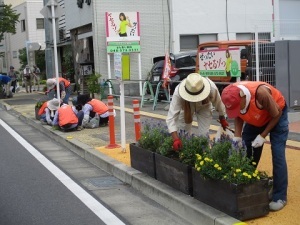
30	194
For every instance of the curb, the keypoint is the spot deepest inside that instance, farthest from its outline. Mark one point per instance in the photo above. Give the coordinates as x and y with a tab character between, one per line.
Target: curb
183	205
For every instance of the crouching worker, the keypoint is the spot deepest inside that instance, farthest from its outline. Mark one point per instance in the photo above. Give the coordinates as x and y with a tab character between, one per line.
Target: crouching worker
68	118
95	112
48	110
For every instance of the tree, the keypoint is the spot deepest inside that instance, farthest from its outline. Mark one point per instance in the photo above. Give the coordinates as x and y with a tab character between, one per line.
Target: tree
39	59
8	20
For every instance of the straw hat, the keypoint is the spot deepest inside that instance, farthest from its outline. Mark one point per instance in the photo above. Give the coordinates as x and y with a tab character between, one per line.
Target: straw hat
53	104
194	88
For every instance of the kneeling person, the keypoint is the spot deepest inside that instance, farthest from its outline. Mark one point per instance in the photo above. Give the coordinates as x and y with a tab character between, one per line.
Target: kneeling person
68	118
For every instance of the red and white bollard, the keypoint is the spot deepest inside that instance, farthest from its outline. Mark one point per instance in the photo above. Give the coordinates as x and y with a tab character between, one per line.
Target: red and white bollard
112	138
137	120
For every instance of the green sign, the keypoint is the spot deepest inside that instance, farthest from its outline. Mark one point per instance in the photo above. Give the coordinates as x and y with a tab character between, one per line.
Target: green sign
123	48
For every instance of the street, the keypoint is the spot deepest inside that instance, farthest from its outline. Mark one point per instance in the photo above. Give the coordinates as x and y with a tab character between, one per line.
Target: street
42	182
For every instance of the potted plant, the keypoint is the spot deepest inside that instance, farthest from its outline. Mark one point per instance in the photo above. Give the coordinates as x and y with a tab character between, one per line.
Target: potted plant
93	84
175	168
226	179
142	153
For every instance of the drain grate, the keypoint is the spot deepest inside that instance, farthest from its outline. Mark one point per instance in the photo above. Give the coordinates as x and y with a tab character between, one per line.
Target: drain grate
102	182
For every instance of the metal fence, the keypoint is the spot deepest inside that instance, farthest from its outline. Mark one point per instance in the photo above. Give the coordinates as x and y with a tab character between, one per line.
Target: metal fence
261	55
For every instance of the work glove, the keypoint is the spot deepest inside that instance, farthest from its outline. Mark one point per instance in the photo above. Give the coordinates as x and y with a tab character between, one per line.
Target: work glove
63	94
177	144
238	141
258	141
223	122
49	122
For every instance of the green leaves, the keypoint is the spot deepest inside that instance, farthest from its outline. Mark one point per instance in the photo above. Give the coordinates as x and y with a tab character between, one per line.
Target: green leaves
8	20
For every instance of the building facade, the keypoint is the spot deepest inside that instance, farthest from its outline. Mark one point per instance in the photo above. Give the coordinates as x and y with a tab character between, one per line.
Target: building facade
29	29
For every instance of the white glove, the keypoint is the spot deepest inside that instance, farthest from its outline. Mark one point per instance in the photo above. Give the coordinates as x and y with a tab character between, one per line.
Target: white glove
238	141
258	141
49	122
63	94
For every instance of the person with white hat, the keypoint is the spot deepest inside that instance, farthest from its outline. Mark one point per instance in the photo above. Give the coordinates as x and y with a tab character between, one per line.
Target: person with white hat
195	95
64	88
48	110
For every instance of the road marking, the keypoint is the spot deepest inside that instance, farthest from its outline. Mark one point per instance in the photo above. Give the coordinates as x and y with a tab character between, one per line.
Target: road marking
103	213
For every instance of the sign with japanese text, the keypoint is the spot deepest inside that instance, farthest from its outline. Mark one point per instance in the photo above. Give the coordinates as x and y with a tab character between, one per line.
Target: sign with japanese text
220	62
122	26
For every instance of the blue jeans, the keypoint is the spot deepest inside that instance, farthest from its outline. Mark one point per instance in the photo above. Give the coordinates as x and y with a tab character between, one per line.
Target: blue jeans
278	138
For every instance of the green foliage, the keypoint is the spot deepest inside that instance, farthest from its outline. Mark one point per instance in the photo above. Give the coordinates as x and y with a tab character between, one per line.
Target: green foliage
192	145
68	63
153	135
93	83
9	19
227	161
22	58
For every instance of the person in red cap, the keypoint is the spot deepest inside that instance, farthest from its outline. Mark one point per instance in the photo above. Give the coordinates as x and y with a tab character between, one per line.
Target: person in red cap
263	109
195	95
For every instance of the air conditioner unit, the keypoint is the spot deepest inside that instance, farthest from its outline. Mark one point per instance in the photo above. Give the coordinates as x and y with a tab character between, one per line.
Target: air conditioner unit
62	34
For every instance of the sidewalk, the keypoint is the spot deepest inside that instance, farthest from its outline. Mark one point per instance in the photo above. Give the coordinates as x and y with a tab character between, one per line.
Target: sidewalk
91	144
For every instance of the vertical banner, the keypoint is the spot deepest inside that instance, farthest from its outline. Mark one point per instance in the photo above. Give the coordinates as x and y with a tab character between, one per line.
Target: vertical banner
125	67
118	65
166	70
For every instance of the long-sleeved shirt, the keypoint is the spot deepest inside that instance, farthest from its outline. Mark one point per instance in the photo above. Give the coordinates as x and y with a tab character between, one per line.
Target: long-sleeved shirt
177	104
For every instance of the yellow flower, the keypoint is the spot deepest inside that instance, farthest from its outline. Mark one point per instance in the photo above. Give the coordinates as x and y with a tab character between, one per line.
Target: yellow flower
216	165
238	170
199	157
249	176
206	159
219	168
254	163
254	175
234	175
201	163
245	174
225	176
198	169
258	178
256	171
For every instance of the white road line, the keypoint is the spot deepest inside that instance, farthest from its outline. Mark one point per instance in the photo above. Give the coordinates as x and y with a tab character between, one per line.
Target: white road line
103	213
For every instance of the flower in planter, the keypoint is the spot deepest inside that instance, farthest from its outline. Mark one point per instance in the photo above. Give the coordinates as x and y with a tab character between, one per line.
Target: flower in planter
191	145
153	135
229	162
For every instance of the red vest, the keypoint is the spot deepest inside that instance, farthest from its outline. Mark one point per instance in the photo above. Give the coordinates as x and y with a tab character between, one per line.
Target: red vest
98	106
254	115
66	82
42	109
66	115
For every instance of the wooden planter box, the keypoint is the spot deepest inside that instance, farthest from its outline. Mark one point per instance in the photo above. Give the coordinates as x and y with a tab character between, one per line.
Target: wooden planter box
36	109
142	160
243	202
174	174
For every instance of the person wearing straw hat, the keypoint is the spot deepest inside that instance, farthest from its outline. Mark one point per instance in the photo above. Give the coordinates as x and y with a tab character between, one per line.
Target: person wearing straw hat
48	110
260	109
195	95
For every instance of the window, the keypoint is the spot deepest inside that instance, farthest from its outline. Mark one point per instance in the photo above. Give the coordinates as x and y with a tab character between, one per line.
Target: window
40	23
188	42
15	54
23	26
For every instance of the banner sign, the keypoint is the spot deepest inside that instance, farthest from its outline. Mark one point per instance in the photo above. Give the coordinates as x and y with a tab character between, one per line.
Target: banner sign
220	62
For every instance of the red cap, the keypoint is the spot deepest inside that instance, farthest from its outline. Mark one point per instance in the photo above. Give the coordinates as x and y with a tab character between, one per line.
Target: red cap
232	100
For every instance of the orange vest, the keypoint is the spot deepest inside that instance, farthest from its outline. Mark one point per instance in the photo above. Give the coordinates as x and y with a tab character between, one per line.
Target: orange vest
66	82
98	106
254	115
66	115
42	109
